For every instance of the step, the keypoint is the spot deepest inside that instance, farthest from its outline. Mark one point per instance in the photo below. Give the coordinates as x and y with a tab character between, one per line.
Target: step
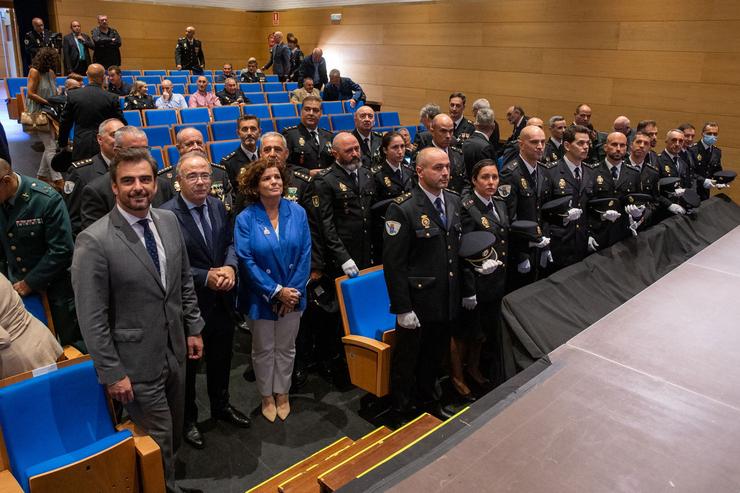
307	481
271	485
381	451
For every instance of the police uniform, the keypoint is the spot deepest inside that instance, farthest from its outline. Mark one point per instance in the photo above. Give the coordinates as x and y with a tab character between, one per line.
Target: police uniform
678	167
33	42
228	99
458	174
707	161
80	174
189	55
37	247
303	149
463	131
423	139
234	162
167	185
607	233
553	152
389	184
422	273
476	148
370	154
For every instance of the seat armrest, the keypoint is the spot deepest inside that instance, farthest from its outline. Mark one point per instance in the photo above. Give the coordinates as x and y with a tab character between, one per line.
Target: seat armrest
366	343
8	484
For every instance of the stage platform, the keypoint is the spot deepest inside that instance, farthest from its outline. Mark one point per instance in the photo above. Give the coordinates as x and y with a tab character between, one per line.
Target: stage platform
645	399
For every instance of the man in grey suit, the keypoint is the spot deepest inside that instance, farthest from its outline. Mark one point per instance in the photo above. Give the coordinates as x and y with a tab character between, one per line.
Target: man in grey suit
136	304
279	58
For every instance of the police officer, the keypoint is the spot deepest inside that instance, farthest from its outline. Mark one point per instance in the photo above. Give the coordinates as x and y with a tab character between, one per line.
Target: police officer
308	145
479	145
189	53
393	177
442	138
708	160
463	128
248	131
554	147
369	140
422	273
672	164
649	176
37	246
38	38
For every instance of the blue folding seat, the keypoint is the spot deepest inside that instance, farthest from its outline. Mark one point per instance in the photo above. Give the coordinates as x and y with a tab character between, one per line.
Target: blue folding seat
156	153
201	127
160	117
283	123
283	110
155	72
225	130
262	111
388	118
133	117
224	113
150	79
219	149
256	97
273	87
195	115
159	136
332	107
345	121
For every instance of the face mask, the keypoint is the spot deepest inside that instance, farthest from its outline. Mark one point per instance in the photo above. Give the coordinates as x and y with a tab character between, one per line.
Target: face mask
709	140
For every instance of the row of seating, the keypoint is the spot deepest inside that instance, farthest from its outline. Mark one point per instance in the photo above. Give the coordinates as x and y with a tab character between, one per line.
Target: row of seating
254	97
209	74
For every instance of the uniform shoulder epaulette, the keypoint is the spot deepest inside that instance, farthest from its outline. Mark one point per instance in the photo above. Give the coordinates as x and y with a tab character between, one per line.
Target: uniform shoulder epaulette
303	176
452	192
456	149
549	164
324	172
511	165
228	156
468	203
42	187
165	170
376	169
634	168
293	127
378	134
219	166
82	163
591	165
402	198
498	197
651	165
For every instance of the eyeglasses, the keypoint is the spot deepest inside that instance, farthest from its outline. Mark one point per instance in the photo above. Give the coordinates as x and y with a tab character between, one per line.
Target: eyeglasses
194	177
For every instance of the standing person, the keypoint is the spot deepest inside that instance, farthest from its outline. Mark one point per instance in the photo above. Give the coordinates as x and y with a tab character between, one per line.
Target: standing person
273	243
139	98
394	177
708	160
137	307
209	241
41	86
279	58
75	47
37	38
309	146
107	43
296	57
189	53
314	66
86	109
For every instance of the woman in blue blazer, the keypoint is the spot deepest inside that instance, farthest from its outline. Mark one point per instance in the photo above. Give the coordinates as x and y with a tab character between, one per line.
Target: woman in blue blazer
273	243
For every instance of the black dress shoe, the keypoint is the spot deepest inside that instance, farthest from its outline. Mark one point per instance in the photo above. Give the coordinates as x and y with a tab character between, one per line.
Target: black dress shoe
193	436
438	411
248	374
231	415
299	379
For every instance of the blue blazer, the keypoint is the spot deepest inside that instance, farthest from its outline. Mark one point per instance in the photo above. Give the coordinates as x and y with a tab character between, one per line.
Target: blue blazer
266	261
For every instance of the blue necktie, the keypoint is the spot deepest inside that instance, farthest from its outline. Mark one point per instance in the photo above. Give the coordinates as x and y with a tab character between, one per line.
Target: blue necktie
81	49
615	173
151	244
207	231
441	210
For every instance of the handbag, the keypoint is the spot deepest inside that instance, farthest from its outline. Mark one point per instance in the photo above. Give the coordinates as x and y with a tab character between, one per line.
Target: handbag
37	121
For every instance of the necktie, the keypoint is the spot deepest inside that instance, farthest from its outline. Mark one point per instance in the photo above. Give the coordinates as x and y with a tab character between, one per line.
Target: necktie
615	173
675	163
534	178
441	210
315	137
353	175
490	208
367	145
397	174
81	49
577	172
151	244
207	231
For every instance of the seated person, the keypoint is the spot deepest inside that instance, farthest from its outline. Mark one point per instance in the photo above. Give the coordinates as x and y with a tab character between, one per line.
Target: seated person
25	343
308	89
139	98
203	98
343	88
251	74
232	95
170	100
228	72
116	85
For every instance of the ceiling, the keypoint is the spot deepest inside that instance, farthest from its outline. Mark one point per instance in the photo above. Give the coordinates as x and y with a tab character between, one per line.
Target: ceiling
270	5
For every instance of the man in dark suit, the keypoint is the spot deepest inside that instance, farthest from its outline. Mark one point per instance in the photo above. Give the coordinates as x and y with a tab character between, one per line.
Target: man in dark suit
308	145
137	306
464	128
707	158
189	53
86	109
426	116
213	263
248	130
478	145
75	47
554	147
314	66
650	127
672	164
107	43
369	140
279	58
343	89
515	115
442	138
38	38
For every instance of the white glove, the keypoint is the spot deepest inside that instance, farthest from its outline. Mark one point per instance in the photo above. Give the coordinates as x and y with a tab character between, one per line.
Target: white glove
573	215
633	225
720	186
408	320
679	191
708	183
610	215
546	258
543	243
469	303
634	211
592	245
676	209
350	268
524	267
488	267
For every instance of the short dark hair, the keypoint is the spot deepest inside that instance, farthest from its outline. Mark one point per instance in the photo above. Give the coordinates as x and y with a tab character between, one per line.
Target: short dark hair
709	124
114	68
131	155
249	180
578	108
244	118
684	126
643	133
388	137
479	166
312	98
458	95
570	133
645	123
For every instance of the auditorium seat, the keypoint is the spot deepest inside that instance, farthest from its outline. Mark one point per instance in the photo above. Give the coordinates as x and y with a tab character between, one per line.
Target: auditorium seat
14	84
283	110
128	79
150	79
158	136
152	89
224	113
194	78
258	110
177	79
368	327
185	73
273	87
267	125
161	73
388	118
201	127
325	123
160	117
291	86
350	109
345	121
218	150
256	97
60	81
121	101
272	78
282	123
225	130
195	115
248	87
172	155
156	153
219	86
176	88
38	306
130	72
331	107
277	97
133	117
193	88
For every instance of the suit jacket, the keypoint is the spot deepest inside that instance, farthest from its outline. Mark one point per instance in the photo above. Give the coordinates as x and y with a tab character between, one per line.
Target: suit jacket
279	60
348	89
203	258
706	161
667	168
127	317
266	260
370	155
80	174
86	109
308	68
607	233
72	62
476	148
107	47
517	130
463	131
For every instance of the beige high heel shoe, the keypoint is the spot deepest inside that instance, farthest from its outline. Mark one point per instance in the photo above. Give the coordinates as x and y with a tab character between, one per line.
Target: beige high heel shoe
283	406
268	408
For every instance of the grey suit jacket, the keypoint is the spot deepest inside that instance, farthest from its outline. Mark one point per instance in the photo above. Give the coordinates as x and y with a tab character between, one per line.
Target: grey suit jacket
126	316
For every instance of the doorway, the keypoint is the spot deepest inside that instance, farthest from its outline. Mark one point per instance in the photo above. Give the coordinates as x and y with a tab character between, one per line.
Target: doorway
9	54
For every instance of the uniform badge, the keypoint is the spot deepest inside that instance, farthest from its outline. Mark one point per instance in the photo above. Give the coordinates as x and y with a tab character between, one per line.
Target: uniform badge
698	158
266	231
554	157
315	201
611	203
69	186
667	169
485	223
292	194
524	183
599	180
177	186
301	141
561	184
169	175
504	190
387	181
217	190
425	220
342	187
392	227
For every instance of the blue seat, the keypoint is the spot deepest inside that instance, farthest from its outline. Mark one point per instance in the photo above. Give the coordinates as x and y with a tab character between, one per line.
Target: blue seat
172	154
350	109
160	117
225	130
267	125
250	87
133	117
152	89
291	86
131	72
193	88
150	79
201	127
177	88
345	121
121	101
219	149
219	86
256	97
283	123
272	78
273	87
262	111
177	79
194	78
34	304
283	110
14	85
60	81
278	97
55	420
325	123
389	119
195	115
158	136
224	113
186	73
332	108
155	72
156	153
128	79
411	129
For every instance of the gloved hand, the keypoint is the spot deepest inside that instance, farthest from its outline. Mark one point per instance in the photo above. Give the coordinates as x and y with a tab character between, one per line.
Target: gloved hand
610	215
488	267
720	186
350	268
524	267
573	215
633	225
408	320
708	183
545	258
543	243
679	191
676	209
470	302
592	245
634	211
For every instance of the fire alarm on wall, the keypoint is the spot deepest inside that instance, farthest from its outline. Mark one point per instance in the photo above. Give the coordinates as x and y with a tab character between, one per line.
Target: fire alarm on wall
336	17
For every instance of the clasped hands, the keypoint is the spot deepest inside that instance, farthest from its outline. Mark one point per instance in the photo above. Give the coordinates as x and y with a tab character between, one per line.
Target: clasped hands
289	298
221	278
